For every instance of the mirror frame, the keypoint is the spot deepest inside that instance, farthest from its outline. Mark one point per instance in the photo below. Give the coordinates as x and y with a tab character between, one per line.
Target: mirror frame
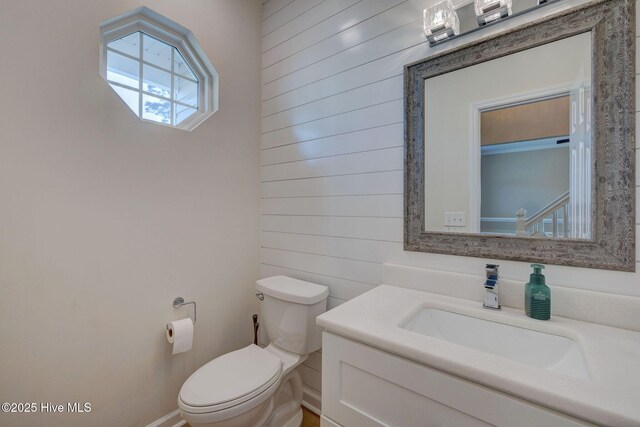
612	27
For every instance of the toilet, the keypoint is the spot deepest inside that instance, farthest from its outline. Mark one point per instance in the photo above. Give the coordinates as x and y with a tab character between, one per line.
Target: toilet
257	386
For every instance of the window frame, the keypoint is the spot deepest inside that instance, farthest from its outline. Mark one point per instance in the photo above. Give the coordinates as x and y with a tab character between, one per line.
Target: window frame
153	24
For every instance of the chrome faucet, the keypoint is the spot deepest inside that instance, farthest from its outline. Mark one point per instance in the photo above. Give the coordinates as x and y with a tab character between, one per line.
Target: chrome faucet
491	299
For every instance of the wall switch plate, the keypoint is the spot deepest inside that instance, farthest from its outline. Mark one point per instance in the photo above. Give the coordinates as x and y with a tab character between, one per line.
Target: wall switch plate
455	219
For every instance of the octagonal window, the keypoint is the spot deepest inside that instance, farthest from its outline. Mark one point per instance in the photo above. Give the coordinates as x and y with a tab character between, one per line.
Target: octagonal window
162	76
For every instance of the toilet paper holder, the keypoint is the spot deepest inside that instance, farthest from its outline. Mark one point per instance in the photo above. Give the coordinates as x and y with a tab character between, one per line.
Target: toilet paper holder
179	302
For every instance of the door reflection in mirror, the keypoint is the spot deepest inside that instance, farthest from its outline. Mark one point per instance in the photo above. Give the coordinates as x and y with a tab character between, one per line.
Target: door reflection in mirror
525	168
508	144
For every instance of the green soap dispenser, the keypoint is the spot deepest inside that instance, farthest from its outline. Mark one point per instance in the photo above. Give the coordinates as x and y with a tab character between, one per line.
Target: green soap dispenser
537	295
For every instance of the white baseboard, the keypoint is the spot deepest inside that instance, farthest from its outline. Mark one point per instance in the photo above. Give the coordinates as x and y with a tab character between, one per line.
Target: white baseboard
172	419
326	422
311	400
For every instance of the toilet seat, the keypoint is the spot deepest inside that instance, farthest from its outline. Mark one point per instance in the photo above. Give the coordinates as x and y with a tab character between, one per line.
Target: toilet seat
249	375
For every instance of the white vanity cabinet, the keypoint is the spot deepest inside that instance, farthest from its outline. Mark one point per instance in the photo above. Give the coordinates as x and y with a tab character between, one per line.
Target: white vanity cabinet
364	386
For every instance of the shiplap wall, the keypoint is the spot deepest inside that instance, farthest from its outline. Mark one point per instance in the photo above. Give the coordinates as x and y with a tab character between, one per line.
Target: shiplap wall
332	152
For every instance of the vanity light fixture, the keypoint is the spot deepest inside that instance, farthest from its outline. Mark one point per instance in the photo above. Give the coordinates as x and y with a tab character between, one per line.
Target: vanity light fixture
488	11
443	22
440	22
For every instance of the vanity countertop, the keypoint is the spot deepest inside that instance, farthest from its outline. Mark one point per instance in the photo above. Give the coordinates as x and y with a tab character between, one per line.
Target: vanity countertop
610	397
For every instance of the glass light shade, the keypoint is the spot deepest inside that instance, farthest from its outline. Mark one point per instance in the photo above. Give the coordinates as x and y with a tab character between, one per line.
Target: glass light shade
491	10
441	21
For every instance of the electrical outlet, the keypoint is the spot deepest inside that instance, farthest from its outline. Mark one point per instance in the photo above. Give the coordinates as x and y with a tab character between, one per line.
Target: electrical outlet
455	219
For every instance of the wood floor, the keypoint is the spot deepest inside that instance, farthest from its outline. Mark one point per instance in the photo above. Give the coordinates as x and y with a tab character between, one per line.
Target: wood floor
309	419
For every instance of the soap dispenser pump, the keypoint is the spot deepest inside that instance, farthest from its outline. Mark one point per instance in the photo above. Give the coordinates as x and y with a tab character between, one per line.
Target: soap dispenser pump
537	295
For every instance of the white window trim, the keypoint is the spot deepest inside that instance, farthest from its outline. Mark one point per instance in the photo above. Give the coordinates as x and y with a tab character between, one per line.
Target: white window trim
155	25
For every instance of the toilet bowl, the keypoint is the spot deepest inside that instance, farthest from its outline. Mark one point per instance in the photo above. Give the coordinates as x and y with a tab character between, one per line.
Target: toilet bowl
256	386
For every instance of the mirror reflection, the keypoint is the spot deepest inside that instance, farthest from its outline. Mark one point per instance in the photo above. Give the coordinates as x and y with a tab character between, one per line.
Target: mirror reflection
508	147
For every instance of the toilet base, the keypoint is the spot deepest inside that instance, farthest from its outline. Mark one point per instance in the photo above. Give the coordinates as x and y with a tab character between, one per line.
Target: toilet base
287	410
296	421
283	409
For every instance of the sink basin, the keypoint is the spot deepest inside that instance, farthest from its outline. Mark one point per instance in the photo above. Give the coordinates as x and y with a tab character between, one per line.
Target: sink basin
534	348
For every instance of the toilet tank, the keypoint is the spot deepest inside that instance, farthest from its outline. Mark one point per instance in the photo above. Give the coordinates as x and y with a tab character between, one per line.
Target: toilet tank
289	312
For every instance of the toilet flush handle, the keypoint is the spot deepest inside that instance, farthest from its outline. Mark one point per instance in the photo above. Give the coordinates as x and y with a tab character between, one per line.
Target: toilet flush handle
260	296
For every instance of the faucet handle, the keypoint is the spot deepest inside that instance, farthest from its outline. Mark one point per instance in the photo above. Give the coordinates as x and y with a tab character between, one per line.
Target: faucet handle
493	268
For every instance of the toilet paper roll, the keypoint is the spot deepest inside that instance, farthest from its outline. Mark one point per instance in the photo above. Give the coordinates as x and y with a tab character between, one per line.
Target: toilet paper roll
180	334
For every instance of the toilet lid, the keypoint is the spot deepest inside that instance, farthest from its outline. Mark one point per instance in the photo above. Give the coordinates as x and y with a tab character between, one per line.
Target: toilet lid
232	378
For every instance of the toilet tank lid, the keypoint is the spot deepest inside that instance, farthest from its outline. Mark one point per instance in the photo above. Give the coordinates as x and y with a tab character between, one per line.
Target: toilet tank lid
292	290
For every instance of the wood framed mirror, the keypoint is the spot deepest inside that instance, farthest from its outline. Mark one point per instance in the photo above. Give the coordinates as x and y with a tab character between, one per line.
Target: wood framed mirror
489	170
